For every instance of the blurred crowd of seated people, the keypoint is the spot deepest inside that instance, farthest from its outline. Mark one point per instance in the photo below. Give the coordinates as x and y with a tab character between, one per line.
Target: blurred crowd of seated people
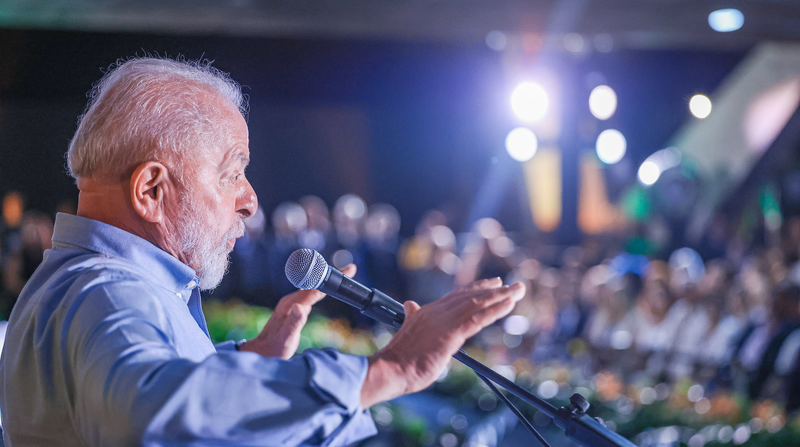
723	323
24	235
727	325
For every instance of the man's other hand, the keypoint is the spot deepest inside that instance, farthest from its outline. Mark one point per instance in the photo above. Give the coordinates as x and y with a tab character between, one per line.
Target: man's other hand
431	334
281	335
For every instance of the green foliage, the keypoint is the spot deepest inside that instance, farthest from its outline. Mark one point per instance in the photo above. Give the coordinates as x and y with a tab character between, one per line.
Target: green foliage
617	403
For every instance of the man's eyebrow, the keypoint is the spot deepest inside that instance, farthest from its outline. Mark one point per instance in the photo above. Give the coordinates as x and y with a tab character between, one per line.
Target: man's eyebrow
237	157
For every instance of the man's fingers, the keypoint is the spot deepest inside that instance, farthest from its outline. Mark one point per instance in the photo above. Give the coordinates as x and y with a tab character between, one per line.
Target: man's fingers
410	308
311	297
489	283
488	315
487	297
297	311
350	270
307	297
294	321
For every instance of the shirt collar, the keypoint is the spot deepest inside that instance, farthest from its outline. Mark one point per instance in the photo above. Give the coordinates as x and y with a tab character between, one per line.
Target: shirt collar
106	239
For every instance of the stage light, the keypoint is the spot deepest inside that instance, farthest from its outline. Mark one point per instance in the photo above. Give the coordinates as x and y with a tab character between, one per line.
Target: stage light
700	106
658	162
521	144
649	172
529	101
726	20
610	146
603	102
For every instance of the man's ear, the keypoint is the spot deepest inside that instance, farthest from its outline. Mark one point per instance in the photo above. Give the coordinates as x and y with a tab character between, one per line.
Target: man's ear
150	188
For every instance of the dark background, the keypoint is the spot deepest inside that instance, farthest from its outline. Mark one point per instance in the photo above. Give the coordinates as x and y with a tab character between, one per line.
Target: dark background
417	125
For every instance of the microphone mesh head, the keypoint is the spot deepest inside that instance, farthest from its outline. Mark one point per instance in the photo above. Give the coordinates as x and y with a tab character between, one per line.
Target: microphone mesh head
306	268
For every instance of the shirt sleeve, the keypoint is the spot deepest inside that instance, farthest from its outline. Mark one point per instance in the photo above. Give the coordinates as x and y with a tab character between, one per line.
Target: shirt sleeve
132	388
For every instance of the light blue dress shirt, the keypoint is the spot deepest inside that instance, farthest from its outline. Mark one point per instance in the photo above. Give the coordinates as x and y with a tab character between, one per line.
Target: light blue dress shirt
107	346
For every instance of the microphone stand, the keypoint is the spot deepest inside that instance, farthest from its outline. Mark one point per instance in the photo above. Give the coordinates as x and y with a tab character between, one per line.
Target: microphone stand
577	425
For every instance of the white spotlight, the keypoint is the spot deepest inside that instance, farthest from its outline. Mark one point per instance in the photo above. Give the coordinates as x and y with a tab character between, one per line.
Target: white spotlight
529	101
603	102
726	20
649	172
611	146
658	162
700	106
521	144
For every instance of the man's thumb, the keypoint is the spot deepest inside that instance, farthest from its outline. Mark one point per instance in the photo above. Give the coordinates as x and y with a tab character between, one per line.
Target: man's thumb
410	307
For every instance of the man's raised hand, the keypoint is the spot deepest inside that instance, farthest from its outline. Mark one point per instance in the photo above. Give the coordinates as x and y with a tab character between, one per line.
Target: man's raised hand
281	335
431	334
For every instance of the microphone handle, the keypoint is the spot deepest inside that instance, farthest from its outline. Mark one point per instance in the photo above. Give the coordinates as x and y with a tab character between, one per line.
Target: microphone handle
385	309
371	302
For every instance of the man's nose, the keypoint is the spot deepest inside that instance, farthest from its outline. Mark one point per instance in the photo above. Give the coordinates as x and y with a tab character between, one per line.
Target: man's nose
247	202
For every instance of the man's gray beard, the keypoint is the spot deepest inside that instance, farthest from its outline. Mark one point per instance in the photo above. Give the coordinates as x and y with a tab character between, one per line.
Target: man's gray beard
210	261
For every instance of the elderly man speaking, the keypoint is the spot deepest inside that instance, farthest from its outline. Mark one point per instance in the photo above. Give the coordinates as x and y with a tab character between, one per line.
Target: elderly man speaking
108	346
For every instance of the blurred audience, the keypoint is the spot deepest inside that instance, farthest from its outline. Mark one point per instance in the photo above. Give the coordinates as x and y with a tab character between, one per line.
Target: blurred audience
726	323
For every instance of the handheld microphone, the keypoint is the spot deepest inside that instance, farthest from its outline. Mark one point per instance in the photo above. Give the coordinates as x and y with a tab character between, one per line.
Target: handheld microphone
306	269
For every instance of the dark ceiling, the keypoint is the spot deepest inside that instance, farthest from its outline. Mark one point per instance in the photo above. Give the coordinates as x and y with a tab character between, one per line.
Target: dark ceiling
636	24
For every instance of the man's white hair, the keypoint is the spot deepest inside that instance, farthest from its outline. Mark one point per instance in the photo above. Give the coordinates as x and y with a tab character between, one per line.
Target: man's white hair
150	109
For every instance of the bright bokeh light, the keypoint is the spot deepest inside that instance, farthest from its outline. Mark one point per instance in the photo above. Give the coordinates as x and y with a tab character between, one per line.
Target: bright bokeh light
652	168
604	43
496	40
695	392
488	228
547	389
649	172
573	42
611	146
769	112
342	258
443	237
521	144
689	264
529	101
700	106
603	102
516	325
726	20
